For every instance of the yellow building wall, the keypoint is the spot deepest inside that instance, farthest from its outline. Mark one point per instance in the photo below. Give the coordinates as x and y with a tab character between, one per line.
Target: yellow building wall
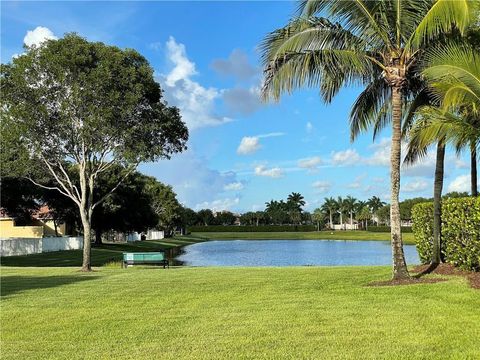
49	228
9	230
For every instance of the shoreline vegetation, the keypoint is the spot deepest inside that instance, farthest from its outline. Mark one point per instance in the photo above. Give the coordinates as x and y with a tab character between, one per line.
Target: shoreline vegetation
408	238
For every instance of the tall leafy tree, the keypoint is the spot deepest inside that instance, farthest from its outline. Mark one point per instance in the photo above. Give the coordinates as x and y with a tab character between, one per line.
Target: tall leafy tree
373	43
92	105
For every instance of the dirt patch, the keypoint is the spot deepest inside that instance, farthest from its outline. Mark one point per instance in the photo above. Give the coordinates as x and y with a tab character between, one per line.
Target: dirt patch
448	269
411	281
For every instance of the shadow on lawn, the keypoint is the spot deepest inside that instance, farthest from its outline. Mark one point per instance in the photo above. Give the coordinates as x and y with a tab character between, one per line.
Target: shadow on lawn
15	284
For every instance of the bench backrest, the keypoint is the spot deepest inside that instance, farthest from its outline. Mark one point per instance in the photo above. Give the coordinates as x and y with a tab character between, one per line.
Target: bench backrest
144	257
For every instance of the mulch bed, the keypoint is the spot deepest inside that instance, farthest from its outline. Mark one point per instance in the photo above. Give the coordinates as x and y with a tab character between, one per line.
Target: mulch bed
448	269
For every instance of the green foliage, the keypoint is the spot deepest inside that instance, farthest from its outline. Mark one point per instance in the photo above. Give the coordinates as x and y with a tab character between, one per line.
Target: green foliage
251	228
460	231
422	217
405	229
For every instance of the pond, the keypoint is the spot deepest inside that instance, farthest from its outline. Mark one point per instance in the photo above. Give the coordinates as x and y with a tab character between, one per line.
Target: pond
291	253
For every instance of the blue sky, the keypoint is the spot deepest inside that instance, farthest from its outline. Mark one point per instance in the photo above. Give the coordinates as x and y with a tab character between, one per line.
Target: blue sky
241	153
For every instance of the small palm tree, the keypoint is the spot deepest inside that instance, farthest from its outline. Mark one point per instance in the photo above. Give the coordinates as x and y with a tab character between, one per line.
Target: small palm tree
375	204
330	206
350	206
373	43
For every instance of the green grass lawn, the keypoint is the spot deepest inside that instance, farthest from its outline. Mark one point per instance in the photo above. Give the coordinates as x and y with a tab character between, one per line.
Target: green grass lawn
235	313
327	235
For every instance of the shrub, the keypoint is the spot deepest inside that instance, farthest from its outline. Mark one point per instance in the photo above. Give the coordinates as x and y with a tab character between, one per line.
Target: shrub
422	216
251	228
405	229
460	231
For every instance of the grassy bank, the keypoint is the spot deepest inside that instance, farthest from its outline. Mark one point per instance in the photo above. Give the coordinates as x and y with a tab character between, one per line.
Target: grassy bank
311	235
218	313
101	255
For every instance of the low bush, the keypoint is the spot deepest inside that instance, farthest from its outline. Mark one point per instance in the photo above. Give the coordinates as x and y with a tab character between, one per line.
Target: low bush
405	229
460	231
251	228
422	216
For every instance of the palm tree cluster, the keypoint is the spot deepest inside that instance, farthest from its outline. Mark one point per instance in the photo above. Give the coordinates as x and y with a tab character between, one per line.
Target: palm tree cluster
351	208
407	54
286	212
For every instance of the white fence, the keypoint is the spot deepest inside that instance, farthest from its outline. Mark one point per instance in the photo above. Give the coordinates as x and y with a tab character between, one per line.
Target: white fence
25	246
345	227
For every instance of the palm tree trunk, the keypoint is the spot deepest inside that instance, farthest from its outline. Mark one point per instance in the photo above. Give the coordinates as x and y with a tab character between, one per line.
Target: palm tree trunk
331	220
400	270
473	169
437	204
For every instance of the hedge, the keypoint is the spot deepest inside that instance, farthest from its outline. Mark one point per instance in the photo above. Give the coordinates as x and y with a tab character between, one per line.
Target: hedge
405	229
460	231
251	228
422	217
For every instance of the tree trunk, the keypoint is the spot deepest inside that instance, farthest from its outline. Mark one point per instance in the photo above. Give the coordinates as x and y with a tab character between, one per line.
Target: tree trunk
366	225
437	204
55	226
400	270
351	220
87	228
331	220
473	169
341	220
98	236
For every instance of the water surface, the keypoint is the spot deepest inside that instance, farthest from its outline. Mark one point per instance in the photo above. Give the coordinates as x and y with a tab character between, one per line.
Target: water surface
291	253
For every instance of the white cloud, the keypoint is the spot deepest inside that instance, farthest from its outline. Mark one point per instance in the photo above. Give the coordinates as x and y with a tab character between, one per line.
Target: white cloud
38	35
416	185
218	204
261	170
346	157
381	153
192	178
460	164
310	163
309	127
248	145
251	144
184	68
322	186
235	186
460	183
196	103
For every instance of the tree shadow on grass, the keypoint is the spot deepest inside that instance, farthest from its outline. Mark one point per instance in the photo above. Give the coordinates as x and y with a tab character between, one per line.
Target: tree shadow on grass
15	284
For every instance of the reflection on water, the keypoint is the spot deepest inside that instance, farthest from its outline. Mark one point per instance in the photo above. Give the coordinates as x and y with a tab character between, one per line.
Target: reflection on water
290	253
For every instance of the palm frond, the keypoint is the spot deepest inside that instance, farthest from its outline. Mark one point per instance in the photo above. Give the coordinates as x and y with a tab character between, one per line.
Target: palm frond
442	16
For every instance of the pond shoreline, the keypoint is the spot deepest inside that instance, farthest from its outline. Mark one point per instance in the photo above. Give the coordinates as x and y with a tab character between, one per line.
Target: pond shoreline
408	238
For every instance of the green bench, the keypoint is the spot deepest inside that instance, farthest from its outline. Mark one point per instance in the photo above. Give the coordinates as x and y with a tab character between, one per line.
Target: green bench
146	258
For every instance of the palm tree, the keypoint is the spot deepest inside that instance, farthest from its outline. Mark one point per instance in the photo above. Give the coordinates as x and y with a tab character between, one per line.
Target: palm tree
330	206
375	204
454	73
350	206
297	200
342	207
373	43
317	216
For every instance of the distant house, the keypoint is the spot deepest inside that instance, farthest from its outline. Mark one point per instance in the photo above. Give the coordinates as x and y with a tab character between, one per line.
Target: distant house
42	224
